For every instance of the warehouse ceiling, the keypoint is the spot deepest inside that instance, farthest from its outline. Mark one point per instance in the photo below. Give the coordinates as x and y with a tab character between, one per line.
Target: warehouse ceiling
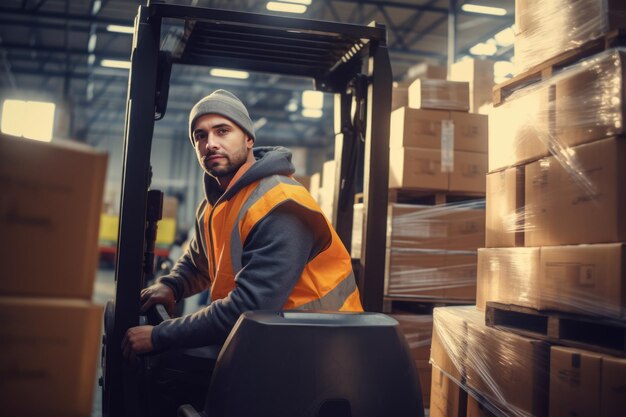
53	50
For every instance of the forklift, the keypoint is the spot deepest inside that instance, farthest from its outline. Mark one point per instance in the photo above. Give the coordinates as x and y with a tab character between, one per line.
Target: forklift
279	363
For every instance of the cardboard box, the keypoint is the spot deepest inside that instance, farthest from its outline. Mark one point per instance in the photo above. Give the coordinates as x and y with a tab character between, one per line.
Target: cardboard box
435	227
548	28
592	188
418	331
479	74
510	371
575	377
416	168
476	409
447	399
600	86
468	175
509	276
428	71
416	127
430	274
315	185
327	192
613	391
422	129
457	227
588	279
505	208
471	131
49	217
424	371
48	356
520	128
448	352
439	95
400	95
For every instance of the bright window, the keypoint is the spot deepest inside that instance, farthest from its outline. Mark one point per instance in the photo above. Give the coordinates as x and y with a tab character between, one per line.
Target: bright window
30	119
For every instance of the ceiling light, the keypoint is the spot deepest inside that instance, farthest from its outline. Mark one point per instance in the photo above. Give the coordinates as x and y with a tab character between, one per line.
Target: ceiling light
312	99
121	29
312	113
292	106
112	63
275	6
220	72
487	49
475	8
91	44
259	123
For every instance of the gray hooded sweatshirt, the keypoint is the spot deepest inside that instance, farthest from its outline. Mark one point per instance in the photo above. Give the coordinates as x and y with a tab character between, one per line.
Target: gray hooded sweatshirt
274	255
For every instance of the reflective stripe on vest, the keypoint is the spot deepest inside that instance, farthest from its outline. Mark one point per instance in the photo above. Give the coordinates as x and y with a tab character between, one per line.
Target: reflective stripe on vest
236	245
327	281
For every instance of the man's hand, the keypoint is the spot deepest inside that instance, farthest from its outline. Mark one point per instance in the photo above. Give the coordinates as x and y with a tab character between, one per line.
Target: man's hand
137	340
158	294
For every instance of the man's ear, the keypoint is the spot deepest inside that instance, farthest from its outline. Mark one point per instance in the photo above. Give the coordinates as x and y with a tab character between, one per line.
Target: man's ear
249	142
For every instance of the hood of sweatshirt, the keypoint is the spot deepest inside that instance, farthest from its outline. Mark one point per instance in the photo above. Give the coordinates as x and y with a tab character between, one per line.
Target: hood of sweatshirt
270	160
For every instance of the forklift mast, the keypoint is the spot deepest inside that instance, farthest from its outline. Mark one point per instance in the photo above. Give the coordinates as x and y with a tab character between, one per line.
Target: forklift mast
348	60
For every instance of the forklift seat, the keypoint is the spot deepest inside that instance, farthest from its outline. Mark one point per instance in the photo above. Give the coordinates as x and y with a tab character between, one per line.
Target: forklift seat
313	364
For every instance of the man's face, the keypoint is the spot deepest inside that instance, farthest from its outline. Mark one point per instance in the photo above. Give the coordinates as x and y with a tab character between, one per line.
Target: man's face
221	146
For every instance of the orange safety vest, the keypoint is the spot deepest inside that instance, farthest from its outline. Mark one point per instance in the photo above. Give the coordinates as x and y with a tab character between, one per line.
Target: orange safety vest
327	281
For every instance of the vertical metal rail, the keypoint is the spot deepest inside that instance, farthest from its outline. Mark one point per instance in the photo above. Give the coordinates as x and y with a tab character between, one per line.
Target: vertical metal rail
376	178
452	32
345	152
140	106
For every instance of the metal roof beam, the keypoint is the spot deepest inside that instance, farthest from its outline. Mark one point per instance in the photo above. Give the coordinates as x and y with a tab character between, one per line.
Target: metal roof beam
61	50
38	5
71	17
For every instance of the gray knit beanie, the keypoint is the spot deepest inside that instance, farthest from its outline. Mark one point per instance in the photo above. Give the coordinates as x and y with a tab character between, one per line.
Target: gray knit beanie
225	104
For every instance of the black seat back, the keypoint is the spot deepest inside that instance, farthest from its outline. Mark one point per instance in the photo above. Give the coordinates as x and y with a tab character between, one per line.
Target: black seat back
314	364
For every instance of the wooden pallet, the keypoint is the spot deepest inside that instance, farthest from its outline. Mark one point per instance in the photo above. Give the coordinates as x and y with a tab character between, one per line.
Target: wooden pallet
546	69
591	333
430	197
425	197
419	305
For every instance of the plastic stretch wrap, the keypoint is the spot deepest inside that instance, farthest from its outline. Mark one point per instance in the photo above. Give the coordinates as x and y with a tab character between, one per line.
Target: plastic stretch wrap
576	117
455	226
546	28
580	104
431	273
431	250
418	330
587	279
506	372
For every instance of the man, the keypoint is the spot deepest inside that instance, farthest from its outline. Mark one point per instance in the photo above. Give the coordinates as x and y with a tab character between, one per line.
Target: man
261	241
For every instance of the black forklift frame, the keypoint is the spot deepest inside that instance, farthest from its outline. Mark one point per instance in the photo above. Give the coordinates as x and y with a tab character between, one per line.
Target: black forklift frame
333	54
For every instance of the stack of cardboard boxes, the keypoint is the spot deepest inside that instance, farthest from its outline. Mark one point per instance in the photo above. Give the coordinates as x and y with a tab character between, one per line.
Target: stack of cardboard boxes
576	23
431	250
554	241
49	235
436	146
